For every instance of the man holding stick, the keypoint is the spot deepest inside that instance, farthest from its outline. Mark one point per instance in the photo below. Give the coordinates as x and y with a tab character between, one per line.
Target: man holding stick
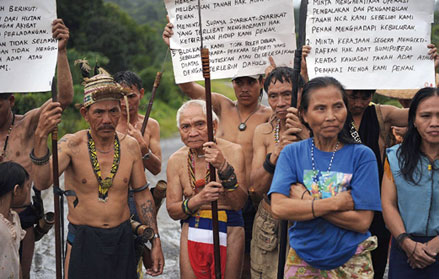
100	241
16	139
268	141
131	123
188	175
241	117
149	142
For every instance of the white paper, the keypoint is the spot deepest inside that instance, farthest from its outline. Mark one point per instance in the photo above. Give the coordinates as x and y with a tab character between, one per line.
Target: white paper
371	44
28	52
240	35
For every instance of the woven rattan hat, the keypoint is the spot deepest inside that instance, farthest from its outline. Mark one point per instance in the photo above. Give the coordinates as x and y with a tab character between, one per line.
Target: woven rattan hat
100	87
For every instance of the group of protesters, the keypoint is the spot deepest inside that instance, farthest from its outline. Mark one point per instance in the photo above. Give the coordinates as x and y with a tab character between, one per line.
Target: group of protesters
330	167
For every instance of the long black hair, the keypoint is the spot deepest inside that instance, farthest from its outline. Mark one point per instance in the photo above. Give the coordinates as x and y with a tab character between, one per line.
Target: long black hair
11	174
321	82
409	153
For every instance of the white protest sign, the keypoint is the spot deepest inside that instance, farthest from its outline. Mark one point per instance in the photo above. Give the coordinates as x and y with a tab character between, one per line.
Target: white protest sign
371	44
27	51
240	35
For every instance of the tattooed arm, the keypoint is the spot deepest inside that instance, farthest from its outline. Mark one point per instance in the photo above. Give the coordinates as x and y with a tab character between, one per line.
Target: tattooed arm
146	209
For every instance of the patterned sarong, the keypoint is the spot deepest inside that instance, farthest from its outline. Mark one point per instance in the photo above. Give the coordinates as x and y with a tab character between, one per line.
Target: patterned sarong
359	266
200	240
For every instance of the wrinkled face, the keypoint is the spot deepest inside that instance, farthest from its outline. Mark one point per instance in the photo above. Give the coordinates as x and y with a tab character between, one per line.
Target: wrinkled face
326	112
427	120
279	97
134	98
193	127
103	117
5	109
247	90
358	101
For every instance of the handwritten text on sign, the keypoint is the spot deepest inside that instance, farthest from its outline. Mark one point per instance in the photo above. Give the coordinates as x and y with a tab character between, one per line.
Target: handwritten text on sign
370	44
240	35
27	51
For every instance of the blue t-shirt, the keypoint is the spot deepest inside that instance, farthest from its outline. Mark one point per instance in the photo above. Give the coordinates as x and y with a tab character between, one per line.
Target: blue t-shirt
318	242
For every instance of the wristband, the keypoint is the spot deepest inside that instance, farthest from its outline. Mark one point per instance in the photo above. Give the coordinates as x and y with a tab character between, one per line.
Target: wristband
227	173
39	161
268	166
185	207
303	194
230	184
400	238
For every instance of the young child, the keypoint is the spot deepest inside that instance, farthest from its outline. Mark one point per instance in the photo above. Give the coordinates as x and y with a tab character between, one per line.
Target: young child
13	178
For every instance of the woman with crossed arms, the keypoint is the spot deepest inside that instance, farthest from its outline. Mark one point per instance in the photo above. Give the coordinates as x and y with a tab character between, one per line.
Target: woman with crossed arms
329	186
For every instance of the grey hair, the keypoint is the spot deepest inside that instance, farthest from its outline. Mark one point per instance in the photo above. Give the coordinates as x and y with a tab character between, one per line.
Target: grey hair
200	103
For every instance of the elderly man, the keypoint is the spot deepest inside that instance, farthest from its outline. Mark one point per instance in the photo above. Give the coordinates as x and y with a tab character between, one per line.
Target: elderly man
190	193
100	237
16	139
238	122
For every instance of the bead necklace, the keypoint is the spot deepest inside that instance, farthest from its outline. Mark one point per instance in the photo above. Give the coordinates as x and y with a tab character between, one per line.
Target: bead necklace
242	126
195	184
315	171
276	131
3	155
104	183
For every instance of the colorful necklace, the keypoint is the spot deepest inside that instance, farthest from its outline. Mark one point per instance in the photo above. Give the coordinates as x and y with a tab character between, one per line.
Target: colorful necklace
104	184
242	126
276	131
315	187
195	184
3	155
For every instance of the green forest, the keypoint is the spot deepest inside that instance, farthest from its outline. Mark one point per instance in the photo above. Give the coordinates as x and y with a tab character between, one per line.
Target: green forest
125	35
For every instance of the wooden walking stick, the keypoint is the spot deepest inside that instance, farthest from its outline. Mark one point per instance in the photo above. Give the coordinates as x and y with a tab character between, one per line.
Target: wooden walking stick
156	84
214	204
296	81
58	199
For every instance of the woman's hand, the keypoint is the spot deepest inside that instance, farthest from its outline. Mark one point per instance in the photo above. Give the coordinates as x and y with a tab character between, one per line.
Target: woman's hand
344	201
415	251
299	191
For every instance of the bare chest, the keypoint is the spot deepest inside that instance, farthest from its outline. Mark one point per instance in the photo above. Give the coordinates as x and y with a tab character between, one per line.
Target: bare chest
85	171
16	147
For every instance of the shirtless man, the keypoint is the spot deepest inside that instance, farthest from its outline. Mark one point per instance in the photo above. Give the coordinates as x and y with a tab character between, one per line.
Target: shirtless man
239	120
268	141
98	210
16	138
187	173
150	142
